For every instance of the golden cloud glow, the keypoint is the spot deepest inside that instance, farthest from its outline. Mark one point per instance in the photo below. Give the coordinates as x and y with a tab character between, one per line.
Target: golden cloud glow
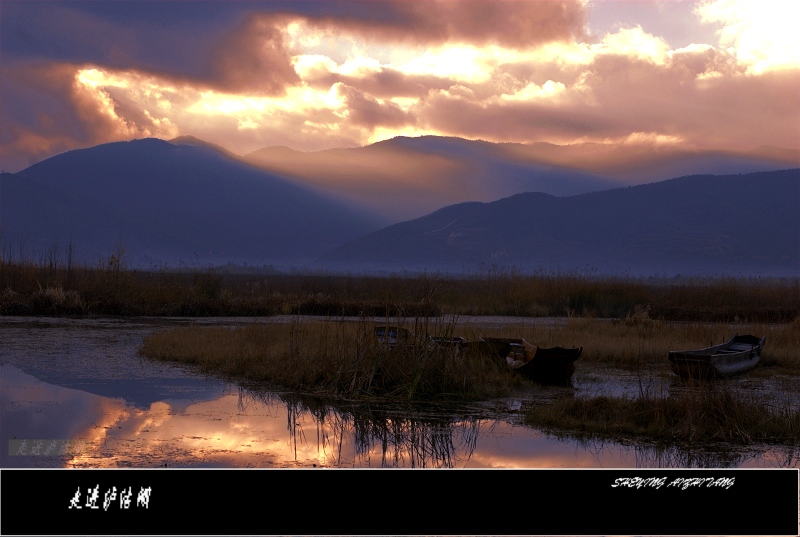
359	66
532	91
316	83
650	138
381	133
250	110
636	43
98	78
761	33
464	63
91	86
313	65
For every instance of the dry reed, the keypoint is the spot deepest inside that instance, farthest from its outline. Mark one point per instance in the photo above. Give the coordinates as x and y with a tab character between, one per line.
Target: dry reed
333	358
346	359
701	414
112	288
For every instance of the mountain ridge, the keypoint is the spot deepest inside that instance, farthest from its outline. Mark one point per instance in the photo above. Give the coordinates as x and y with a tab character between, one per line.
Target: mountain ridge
685	224
188	201
171	203
406	177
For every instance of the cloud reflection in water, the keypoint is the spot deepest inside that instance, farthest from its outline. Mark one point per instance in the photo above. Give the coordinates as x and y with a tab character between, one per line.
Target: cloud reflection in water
268	430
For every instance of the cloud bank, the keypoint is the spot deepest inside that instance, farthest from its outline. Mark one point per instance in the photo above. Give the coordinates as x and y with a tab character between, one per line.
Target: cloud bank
319	75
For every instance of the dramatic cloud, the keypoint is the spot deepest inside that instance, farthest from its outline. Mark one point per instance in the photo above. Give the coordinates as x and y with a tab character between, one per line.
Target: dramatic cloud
254	59
762	35
508	23
315	75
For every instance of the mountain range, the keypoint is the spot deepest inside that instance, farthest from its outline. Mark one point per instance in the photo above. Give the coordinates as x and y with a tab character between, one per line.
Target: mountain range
428	203
170	204
405	178
706	224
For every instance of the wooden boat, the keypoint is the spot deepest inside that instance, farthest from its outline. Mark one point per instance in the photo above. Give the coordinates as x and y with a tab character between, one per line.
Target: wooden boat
392	335
738	355
544	364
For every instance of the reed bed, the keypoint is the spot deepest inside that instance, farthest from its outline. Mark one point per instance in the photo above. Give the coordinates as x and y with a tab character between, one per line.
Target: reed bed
345	359
56	286
642	343
699	414
338	359
672	412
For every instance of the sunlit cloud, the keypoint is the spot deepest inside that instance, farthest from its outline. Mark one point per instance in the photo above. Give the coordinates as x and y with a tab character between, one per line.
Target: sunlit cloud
648	138
761	33
105	92
548	90
459	62
635	43
499	71
382	133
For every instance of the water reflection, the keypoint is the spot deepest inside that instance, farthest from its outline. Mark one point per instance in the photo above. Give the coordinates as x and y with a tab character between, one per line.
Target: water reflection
246	428
73	381
690	457
387	438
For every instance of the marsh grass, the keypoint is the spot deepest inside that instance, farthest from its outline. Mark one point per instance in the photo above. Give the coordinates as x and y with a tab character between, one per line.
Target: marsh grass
342	359
345	359
54	285
668	410
644	344
699	414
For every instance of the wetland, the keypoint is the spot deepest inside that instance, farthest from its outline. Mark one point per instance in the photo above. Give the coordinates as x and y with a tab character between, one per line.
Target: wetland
107	366
84	384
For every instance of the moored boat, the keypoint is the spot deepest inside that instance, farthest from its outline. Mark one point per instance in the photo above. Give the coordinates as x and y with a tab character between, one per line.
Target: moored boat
543	364
737	355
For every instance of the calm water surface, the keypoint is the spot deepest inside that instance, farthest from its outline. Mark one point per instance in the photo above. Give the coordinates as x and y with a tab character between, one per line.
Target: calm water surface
75	393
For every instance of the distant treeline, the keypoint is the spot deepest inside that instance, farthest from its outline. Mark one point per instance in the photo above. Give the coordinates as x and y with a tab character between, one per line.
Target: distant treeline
58	287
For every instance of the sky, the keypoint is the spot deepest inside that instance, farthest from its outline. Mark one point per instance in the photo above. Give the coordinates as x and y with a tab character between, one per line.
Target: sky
314	75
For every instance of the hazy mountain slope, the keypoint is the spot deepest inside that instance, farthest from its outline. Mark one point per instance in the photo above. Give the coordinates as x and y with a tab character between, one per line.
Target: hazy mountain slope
408	177
192	140
169	203
725	224
634	163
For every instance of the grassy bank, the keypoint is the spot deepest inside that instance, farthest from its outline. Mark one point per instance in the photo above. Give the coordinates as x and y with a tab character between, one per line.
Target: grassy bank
344	359
51	287
639	343
333	359
698	415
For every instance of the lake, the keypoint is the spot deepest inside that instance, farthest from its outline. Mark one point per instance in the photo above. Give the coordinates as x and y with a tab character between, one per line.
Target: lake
75	393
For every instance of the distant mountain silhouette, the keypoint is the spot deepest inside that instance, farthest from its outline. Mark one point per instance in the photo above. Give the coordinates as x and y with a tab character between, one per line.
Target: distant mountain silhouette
193	140
406	178
733	224
168	203
188	201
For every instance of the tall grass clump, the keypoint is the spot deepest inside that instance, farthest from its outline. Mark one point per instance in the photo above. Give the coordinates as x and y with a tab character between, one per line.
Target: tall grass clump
334	358
701	414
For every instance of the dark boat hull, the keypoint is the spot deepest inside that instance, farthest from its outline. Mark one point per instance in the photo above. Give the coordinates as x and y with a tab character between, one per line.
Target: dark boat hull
739	355
553	365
